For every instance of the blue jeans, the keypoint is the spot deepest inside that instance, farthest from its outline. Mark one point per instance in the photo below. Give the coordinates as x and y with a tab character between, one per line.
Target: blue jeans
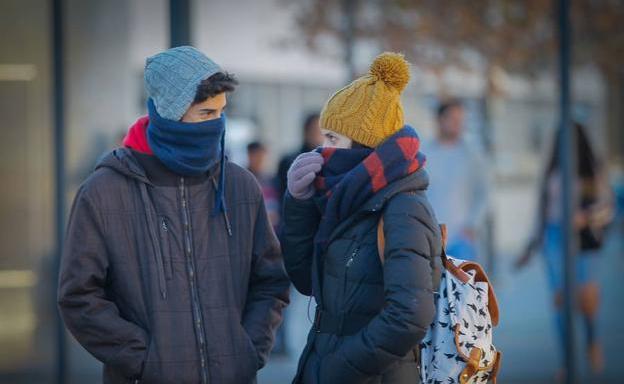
585	261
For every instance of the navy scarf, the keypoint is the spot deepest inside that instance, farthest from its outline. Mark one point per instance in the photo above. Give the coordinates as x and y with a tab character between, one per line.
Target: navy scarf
350	177
189	149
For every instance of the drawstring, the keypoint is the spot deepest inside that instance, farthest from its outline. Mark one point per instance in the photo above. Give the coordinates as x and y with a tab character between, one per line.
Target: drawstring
219	198
226	218
153	235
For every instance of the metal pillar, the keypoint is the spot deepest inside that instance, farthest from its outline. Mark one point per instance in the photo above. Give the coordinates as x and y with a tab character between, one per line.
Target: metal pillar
568	172
179	22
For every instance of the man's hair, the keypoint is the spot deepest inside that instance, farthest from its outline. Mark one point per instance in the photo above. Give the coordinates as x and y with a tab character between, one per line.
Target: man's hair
255	146
309	119
447	105
218	83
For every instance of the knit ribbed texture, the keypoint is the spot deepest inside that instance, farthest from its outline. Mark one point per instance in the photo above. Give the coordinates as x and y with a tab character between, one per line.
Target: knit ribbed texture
171	79
369	110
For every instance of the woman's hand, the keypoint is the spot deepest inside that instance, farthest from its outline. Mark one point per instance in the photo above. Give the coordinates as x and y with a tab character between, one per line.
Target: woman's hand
301	175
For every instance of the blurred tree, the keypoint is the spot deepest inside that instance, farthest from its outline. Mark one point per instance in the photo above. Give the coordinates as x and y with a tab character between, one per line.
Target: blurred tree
487	35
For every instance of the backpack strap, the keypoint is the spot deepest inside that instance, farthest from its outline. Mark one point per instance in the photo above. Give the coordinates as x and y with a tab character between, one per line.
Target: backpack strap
448	265
444	235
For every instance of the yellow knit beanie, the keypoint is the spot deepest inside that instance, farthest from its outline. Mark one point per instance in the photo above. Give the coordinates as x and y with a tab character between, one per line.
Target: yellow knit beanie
369	110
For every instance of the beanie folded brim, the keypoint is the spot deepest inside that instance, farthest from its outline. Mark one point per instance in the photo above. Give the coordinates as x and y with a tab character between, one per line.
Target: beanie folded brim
352	130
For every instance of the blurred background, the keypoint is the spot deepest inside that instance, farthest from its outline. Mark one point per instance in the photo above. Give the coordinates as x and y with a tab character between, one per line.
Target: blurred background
71	82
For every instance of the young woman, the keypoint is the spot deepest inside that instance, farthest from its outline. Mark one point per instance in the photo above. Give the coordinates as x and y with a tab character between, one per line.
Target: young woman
371	314
593	213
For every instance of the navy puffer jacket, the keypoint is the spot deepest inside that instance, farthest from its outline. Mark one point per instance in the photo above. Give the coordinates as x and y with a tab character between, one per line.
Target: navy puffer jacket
370	316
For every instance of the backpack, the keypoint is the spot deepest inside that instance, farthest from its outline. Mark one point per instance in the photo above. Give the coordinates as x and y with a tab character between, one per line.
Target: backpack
458	347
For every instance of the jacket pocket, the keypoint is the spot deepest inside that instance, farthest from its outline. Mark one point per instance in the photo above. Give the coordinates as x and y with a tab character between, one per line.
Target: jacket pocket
251	348
165	246
148	371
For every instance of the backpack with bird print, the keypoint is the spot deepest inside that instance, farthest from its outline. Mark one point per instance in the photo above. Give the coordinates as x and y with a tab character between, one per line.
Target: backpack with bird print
457	348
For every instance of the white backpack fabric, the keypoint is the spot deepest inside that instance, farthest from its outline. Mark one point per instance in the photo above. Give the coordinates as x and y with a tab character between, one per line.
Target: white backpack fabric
458	346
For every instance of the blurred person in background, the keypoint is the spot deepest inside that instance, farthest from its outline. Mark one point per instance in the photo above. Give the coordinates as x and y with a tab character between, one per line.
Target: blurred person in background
459	182
371	316
312	138
171	271
593	213
256	159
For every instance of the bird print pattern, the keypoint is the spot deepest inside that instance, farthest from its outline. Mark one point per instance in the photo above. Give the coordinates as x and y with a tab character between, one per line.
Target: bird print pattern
462	323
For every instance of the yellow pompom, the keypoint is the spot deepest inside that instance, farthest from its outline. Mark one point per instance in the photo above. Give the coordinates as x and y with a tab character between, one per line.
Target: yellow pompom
392	69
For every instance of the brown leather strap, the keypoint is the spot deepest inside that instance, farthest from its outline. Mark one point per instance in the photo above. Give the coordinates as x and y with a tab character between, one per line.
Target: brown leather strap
467	358
472	366
480	276
473	360
448	265
494	373
455	270
444	234
381	239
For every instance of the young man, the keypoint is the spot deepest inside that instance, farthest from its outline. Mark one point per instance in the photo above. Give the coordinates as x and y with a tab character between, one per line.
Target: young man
171	272
459	185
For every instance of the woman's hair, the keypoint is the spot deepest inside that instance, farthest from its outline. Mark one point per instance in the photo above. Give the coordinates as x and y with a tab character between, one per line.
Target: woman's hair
356	145
587	162
218	83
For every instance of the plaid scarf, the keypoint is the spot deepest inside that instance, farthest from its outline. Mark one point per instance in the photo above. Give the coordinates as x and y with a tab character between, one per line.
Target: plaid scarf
350	177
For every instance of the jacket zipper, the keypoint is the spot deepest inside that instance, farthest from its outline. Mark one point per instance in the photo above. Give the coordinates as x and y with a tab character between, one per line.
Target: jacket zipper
347	266
153	232
344	286
166	252
190	265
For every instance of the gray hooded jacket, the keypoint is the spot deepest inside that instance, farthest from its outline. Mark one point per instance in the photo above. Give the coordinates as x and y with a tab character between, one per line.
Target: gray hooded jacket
160	289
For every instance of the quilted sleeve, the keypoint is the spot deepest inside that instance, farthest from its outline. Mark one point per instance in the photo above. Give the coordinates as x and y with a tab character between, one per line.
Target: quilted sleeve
412	242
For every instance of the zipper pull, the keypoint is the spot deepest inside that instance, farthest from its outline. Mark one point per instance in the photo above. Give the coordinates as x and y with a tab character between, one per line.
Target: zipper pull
350	261
164	225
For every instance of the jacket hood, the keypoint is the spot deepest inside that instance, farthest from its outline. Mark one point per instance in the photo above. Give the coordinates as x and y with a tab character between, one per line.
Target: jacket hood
136	138
121	161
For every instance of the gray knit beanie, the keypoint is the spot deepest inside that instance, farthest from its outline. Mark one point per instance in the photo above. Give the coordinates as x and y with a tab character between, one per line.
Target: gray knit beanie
171	79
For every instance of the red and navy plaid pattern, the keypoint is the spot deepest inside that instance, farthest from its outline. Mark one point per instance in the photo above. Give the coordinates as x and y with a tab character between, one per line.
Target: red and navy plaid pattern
350	177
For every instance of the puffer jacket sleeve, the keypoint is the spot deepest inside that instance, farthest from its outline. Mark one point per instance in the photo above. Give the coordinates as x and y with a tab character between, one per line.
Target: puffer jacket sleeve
412	241
89	314
268	287
300	222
